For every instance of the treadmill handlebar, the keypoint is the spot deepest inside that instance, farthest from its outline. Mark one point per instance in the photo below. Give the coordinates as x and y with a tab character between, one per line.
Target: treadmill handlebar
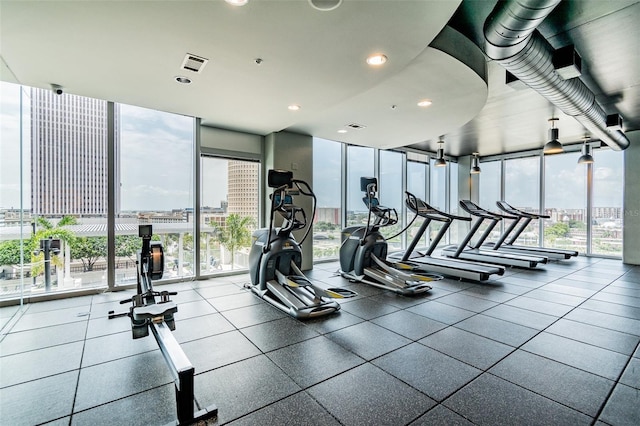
475	210
506	207
421	208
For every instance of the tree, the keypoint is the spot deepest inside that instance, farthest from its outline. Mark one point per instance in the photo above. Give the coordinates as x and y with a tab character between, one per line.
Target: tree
10	252
127	246
235	234
48	230
88	250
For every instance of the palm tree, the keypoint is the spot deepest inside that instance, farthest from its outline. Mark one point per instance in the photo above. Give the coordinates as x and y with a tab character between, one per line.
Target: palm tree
48	230
235	234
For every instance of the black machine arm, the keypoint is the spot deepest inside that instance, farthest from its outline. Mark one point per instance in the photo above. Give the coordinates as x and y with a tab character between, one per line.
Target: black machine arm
385	216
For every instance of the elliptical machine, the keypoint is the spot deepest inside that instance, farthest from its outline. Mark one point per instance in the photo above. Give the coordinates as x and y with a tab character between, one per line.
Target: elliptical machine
363	251
275	257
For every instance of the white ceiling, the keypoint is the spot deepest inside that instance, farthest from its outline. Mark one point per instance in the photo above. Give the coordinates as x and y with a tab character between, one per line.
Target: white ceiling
131	51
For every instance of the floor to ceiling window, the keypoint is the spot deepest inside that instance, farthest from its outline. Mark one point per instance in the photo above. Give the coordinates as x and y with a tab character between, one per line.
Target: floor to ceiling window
437	193
606	206
360	163
417	184
489	190
327	184
154	185
522	191
391	194
454	205
565	201
229	213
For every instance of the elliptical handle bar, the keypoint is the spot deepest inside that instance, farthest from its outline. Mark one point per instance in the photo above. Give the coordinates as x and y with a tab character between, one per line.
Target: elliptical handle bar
308	192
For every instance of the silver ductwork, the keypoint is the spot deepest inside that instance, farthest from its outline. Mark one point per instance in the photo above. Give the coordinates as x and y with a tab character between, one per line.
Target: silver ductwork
511	40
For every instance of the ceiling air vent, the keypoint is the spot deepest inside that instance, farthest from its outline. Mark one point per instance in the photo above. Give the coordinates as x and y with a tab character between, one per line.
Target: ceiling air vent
356	126
194	63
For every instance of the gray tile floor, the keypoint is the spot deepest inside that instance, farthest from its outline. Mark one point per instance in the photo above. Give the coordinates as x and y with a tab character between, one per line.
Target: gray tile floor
555	346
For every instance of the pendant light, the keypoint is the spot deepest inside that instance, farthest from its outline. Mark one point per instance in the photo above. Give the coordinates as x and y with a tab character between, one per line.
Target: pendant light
553	146
475	164
586	157
440	161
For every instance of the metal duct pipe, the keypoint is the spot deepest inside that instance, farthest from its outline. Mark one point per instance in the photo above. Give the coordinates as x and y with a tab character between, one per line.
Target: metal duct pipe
511	41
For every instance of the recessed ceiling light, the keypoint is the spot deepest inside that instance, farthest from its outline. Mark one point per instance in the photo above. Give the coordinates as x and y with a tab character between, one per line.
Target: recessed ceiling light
376	59
294	107
342	131
424	103
183	80
237	2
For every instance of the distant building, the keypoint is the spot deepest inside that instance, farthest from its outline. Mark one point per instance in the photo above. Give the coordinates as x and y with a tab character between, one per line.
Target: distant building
69	154
243	178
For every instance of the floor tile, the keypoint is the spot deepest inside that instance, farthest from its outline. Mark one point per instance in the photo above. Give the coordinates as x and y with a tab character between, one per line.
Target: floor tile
555	297
218	290
252	315
427	370
488	294
441	312
600	319
569	386
82	303
380	398
42	337
157	404
631	375
557	287
367	308
236	300
243	387
470	303
368	340
542	306
278	333
490	400
496	329
199	327
53	395
117	379
333	322
410	325
49	318
612	308
589	358
475	350
27	366
596	336
622	299
297	406
215	351
623	408
314	360
441	415
115	346
194	309
521	316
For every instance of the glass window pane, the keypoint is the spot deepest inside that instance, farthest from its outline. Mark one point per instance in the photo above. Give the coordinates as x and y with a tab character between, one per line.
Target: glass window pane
327	171
437	194
565	201
391	194
229	213
453	234
155	176
69	189
417	172
489	185
606	212
522	191
15	210
359	164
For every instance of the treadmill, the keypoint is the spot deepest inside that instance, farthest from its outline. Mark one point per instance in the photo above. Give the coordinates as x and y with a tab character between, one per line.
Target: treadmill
522	219
418	261
479	254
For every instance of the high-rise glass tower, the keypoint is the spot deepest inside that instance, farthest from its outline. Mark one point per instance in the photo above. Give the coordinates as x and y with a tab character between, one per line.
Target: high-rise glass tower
69	154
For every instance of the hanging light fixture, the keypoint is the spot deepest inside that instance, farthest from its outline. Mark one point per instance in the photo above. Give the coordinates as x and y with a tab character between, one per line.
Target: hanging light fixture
586	157
475	164
440	161
553	146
